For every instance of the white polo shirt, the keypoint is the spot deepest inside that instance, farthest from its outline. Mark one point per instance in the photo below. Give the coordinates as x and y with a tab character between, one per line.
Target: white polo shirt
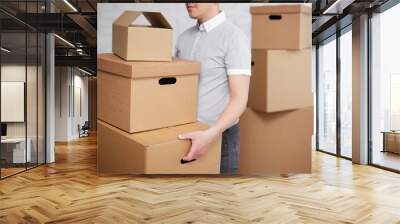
222	49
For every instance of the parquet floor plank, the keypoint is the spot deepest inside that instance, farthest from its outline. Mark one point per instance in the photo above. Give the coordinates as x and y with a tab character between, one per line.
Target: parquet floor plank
70	191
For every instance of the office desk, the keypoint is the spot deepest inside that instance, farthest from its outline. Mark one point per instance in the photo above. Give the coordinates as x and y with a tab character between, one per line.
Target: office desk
13	150
391	141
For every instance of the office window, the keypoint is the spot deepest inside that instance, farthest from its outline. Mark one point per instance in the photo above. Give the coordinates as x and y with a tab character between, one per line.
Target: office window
327	96
395	101
385	89
346	93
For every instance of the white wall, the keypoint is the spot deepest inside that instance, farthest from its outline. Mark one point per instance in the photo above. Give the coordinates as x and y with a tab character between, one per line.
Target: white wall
14	72
61	103
80	83
67	81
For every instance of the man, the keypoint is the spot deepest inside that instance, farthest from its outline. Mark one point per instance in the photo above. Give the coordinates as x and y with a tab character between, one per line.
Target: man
224	53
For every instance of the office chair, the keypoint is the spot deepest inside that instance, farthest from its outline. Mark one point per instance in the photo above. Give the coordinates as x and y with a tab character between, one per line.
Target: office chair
84	130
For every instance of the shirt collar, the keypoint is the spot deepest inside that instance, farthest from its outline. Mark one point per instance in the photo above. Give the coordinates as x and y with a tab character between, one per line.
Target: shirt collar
213	22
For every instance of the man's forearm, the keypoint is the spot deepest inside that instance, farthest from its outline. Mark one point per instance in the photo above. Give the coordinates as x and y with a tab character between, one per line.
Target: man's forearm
239	91
231	113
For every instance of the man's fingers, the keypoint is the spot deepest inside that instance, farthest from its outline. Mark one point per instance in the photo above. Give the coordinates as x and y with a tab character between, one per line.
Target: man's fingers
191	154
186	157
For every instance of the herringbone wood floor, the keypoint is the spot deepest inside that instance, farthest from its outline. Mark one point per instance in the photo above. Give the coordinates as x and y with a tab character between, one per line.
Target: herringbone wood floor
70	191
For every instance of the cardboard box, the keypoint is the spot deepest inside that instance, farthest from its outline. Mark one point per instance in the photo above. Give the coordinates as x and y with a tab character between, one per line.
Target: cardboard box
276	143
281	80
141	96
142	43
152	152
281	26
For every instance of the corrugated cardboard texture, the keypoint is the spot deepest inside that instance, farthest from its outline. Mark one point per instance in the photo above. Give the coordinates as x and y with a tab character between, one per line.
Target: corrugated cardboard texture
144	69
279	8
140	104
143	104
281	27
276	143
152	152
116	153
142	43
281	80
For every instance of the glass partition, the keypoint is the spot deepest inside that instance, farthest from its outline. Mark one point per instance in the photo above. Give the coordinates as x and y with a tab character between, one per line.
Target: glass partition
346	94
31	100
327	96
22	77
13	103
41	107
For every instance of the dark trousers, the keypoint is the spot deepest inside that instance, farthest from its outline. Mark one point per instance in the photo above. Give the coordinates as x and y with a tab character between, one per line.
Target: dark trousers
230	150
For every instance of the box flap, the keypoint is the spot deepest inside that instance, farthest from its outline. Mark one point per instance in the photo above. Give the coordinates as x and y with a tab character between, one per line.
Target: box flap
126	18
145	138
154	137
164	135
156	19
180	129
158	136
281	9
111	63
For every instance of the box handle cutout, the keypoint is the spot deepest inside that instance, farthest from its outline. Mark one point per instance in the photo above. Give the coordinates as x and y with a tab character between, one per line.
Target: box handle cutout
252	63
184	161
167	81
275	17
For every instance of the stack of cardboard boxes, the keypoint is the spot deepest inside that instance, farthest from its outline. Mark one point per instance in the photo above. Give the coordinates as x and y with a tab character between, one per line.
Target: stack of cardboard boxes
146	99
276	129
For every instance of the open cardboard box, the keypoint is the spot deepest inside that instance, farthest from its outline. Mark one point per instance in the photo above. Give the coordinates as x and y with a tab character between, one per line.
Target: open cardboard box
142	43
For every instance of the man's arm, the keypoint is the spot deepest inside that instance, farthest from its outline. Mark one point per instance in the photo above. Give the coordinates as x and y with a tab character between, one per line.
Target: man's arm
239	89
238	66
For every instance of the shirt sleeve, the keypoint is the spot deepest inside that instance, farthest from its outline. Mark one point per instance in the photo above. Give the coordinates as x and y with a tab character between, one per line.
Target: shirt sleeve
238	55
176	47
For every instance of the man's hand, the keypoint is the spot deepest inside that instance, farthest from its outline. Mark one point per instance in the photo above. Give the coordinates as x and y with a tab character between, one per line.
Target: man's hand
200	142
239	89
